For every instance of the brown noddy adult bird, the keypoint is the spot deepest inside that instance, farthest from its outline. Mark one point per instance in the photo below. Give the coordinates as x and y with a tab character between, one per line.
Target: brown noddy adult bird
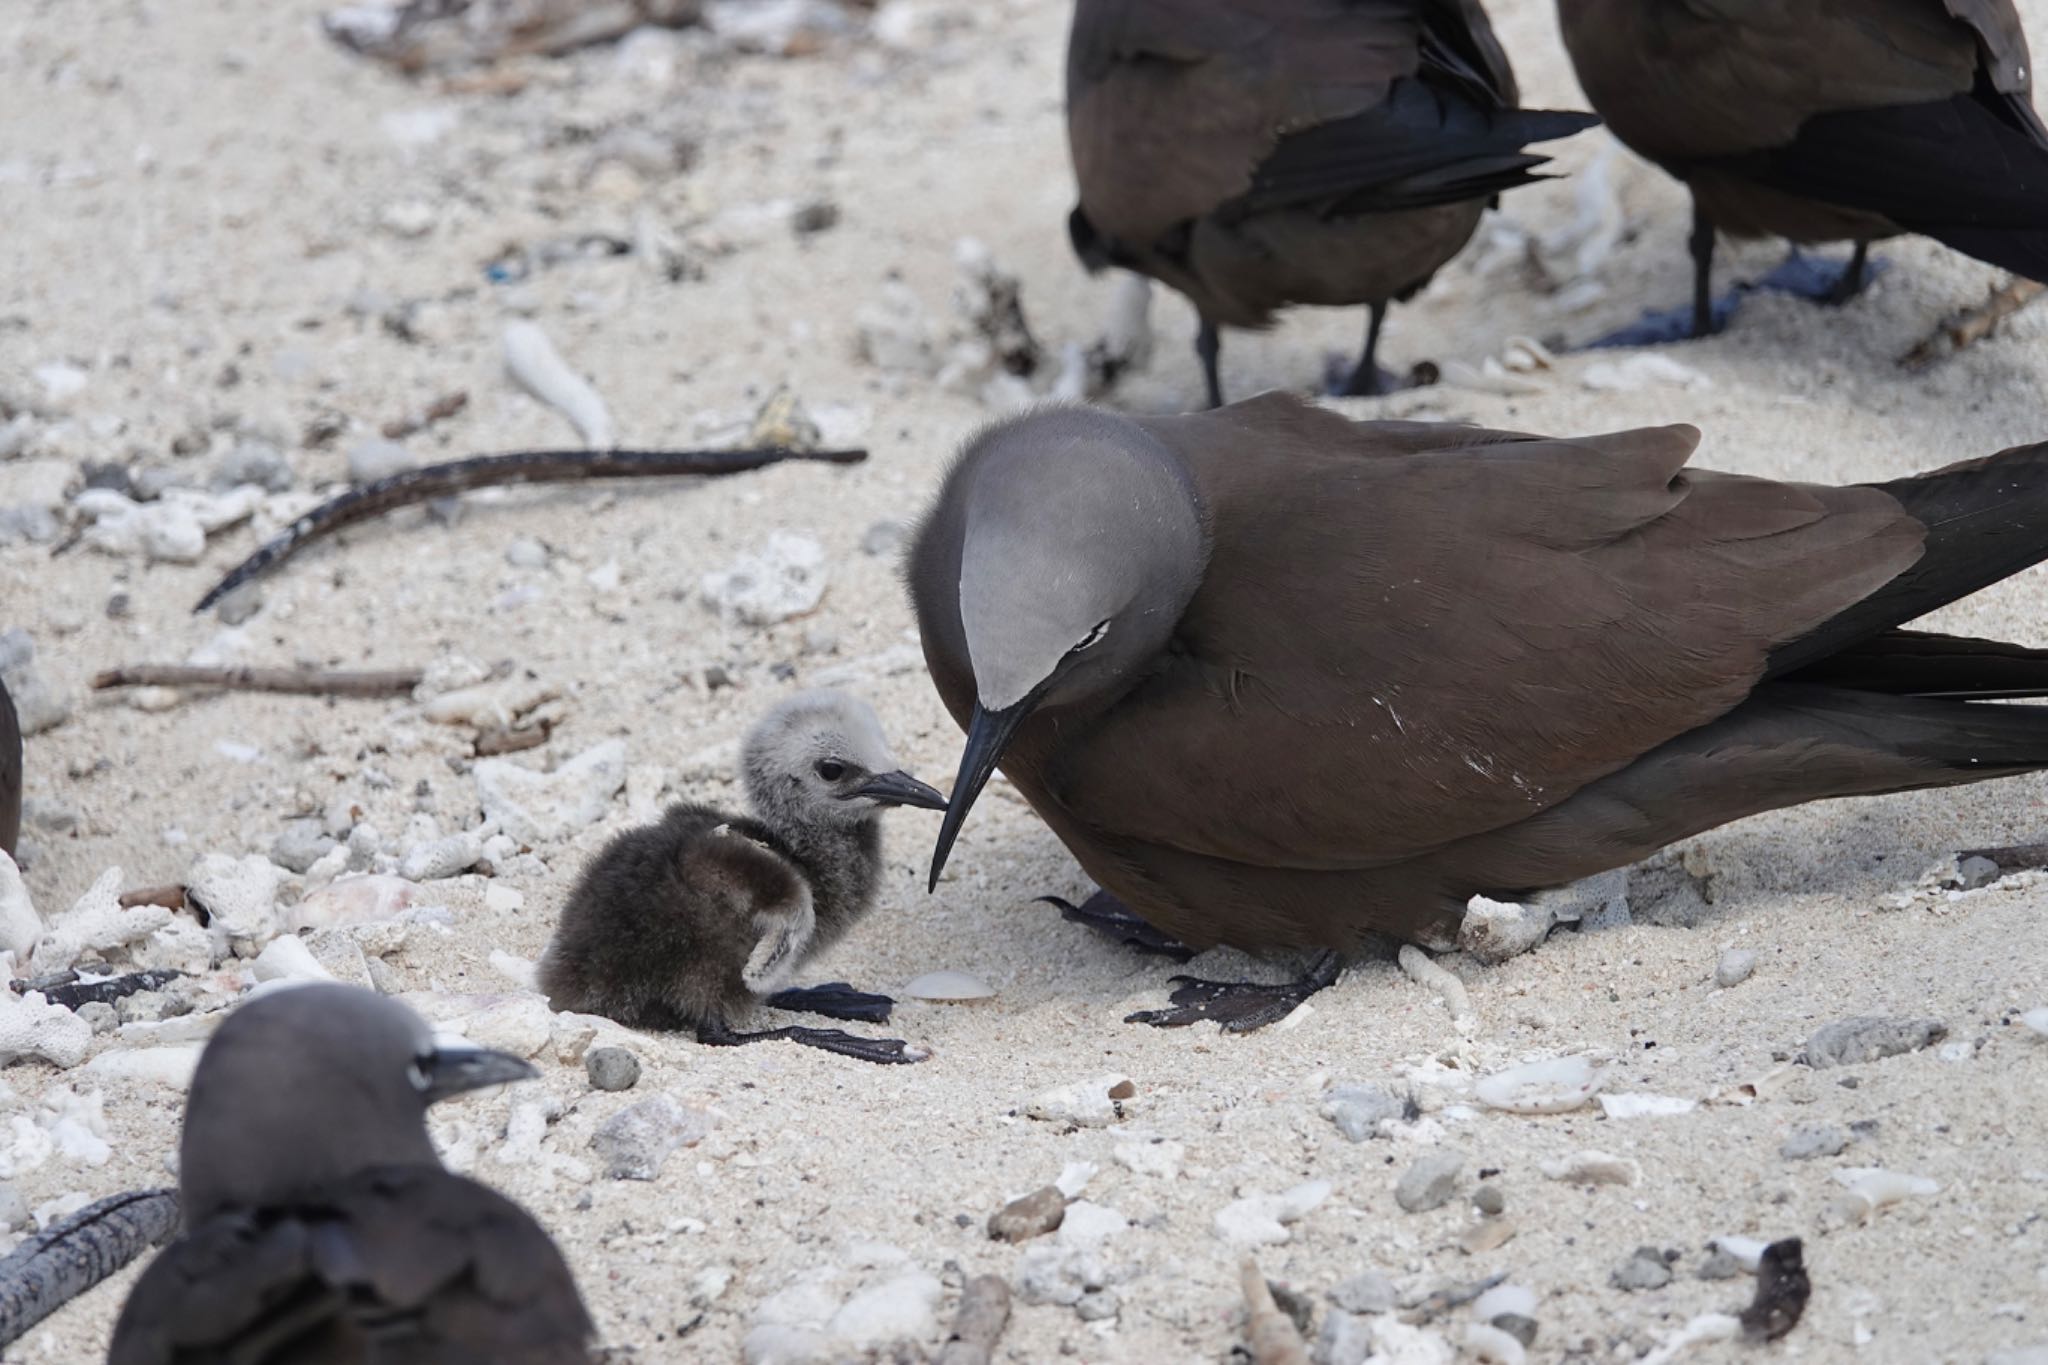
10	772
1281	679
688	922
1824	121
320	1226
1257	155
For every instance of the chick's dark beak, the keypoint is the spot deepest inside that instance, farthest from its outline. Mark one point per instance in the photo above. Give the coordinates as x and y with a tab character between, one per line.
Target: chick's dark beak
988	734
900	789
457	1070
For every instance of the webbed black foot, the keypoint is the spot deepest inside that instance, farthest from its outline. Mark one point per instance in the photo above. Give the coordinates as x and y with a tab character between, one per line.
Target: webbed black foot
834	1000
1240	1006
1822	281
882	1051
1105	914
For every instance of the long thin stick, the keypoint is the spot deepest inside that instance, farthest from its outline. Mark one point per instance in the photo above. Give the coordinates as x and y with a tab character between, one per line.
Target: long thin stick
54	1267
485	471
395	682
1972	325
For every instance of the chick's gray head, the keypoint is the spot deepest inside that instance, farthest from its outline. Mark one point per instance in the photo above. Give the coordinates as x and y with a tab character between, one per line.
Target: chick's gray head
819	759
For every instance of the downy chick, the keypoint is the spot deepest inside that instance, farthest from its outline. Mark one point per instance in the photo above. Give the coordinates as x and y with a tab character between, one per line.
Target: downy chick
686	923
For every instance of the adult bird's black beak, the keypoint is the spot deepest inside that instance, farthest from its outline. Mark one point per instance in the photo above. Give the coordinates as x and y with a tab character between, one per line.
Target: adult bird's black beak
988	734
900	789
458	1070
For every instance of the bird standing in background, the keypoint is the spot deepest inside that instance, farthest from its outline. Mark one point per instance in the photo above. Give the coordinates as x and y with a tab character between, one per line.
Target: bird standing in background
1280	679
320	1226
1258	155
687	923
10	772
1828	120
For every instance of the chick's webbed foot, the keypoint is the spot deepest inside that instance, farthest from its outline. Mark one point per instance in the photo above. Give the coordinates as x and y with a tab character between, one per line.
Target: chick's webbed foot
1107	915
882	1051
1240	1006
834	1000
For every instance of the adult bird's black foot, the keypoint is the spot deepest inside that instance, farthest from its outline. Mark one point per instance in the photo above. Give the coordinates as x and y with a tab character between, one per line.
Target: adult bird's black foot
881	1051
1822	281
1240	1006
834	1000
1667	326
1105	914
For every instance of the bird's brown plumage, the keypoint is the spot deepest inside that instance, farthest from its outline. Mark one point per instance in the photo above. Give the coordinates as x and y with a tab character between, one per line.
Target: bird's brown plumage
1425	661
1831	119
10	772
1257	155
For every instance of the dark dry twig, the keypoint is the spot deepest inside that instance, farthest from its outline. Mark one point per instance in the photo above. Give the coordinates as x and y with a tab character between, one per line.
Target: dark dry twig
52	1268
1972	325
984	1311
486	471
169	897
391	682
67	990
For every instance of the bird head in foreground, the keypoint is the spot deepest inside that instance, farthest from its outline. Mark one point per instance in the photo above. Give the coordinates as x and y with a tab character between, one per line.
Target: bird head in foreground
820	758
311	1084
1082	542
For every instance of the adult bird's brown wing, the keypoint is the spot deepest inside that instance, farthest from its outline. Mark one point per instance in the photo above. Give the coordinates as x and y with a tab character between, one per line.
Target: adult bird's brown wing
1396	647
10	772
395	1266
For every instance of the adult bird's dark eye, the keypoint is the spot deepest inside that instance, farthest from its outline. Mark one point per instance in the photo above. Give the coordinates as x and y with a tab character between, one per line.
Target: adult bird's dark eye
830	770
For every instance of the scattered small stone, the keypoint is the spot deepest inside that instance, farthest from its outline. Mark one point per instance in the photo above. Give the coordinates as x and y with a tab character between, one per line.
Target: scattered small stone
1495	931
1782	1290
1059	1272
1430	1182
436	859
1365	1293
883	538
1518	1326
100	1015
300	844
1346	1339
255	462
1645	1268
1363	1111
37	707
1852	1042
1097	1305
1734	968
1261	1219
526	553
374	458
1593	1168
784	579
1719	1265
1808	1143
637	1140
611	1068
1486	1235
540	808
1160	1158
783	424
1976	871
2037	1020
1028	1216
1087	1104
1489	1200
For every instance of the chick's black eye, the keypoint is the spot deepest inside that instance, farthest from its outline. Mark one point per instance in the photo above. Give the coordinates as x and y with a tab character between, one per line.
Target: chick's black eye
831	769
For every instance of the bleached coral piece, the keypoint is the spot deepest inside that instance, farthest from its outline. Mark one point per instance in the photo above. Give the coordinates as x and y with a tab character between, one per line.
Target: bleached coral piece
33	1027
20	925
96	923
239	896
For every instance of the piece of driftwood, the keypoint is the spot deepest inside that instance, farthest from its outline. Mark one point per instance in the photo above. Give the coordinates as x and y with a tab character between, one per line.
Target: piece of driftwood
2010	858
390	682
984	1312
169	897
55	1266
1269	1333
67	990
1972	325
417	35
488	471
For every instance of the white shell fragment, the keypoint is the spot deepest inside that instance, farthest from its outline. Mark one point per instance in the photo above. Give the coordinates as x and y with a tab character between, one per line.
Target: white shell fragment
2037	1020
1747	1252
1640	1106
1554	1086
1090	1104
949	985
1872	1188
1593	1168
1262	1219
532	359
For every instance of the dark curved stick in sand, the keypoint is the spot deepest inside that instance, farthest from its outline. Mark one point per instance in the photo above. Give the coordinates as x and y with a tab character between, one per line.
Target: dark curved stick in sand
54	1267
486	471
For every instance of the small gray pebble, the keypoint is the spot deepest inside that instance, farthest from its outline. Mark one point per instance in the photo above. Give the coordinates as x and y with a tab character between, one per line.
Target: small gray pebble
1734	967
1719	1265
300	844
883	538
1489	1200
243	601
1295	1305
255	462
375	458
13	1209
1028	1215
101	1015
1359	1110
1808	1143
1366	1292
1851	1042
1346	1339
1520	1328
1975	871
526	553
1430	1182
1644	1269
1097	1305
611	1068
145	1007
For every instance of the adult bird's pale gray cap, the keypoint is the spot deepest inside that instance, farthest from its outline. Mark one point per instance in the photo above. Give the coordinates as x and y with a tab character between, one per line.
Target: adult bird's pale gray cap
1049	605
305	1086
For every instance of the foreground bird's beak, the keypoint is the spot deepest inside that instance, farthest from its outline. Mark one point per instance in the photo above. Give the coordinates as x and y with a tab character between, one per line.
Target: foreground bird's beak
457	1070
900	789
988	734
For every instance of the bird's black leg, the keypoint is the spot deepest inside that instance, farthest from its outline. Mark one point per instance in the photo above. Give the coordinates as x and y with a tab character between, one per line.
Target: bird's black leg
884	1051
1209	348
1368	379
1822	281
834	1000
1240	1006
1707	314
1105	914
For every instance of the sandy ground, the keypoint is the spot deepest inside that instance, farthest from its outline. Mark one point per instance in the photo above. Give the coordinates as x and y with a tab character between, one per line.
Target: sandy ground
209	207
